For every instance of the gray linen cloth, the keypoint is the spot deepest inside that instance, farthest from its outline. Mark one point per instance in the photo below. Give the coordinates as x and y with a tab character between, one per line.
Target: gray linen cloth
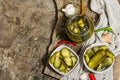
109	11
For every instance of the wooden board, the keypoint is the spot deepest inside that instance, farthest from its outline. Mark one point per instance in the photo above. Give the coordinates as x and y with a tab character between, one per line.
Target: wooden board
60	24
48	70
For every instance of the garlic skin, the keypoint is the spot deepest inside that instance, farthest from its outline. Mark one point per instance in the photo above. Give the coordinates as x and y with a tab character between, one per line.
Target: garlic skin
84	76
69	10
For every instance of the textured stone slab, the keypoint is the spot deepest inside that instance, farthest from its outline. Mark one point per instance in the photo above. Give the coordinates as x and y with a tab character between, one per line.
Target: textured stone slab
25	30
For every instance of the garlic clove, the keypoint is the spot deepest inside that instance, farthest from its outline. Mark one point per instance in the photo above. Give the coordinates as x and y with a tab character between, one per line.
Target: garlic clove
84	76
69	10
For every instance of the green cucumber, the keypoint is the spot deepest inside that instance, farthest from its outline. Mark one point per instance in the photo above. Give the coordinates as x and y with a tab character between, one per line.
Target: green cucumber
68	61
63	68
97	59
65	52
58	54
57	63
74	60
110	54
52	59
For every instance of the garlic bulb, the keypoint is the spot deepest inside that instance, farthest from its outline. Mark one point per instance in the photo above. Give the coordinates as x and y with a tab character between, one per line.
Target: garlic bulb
84	76
69	10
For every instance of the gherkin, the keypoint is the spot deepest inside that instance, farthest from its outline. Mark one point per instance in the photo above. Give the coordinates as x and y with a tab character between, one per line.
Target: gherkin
97	59
106	62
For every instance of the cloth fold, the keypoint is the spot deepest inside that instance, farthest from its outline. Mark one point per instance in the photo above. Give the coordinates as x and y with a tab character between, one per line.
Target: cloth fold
109	16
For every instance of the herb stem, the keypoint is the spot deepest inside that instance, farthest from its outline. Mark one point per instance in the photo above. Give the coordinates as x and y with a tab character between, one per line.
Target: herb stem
107	28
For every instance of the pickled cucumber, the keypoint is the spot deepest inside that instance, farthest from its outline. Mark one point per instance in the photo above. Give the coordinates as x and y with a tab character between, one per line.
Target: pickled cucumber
68	61
99	67
106	62
52	59
76	30
87	59
103	47
71	27
97	59
110	54
71	54
58	54
63	68
81	23
65	52
74	60
95	49
90	53
57	62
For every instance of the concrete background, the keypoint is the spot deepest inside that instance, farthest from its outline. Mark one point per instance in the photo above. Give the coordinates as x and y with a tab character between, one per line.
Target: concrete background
25	32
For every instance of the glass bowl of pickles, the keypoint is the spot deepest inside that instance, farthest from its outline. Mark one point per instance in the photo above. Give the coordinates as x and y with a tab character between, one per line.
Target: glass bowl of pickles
98	58
79	28
63	60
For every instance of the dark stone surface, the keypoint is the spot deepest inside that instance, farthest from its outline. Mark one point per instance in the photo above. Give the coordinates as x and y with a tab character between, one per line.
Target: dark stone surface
25	30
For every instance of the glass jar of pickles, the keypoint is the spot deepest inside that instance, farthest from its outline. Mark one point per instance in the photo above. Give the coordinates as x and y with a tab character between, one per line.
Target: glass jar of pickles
79	28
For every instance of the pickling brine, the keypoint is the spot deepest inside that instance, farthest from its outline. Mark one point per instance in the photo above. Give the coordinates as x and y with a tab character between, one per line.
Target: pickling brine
79	28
